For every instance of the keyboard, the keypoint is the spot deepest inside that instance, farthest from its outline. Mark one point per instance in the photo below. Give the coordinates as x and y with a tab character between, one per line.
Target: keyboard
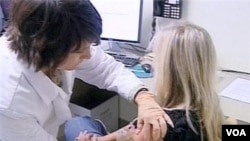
128	61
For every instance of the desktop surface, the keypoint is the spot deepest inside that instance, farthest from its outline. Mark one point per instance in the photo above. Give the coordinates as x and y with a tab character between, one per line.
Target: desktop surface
237	109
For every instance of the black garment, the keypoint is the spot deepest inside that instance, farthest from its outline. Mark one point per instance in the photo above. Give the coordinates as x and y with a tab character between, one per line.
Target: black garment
181	130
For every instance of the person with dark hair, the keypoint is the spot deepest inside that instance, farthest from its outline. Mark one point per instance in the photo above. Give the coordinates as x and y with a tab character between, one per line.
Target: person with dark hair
46	45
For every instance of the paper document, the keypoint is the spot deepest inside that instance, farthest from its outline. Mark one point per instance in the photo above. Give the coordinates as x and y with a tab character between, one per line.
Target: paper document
239	89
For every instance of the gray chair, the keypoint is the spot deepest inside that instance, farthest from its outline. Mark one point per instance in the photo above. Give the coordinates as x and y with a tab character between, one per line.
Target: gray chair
5	5
1	20
4	14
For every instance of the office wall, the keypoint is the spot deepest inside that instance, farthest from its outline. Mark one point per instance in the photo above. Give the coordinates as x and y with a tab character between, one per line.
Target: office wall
227	21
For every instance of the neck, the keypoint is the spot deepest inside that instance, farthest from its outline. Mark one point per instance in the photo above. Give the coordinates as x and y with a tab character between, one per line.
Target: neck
48	72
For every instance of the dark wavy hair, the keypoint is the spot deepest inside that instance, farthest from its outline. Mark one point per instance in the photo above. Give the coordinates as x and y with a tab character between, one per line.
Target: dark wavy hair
44	32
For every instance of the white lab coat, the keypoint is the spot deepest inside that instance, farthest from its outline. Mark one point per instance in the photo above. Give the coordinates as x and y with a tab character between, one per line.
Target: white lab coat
32	107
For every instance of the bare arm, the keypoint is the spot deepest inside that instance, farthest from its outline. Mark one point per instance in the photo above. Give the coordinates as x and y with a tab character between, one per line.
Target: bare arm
127	133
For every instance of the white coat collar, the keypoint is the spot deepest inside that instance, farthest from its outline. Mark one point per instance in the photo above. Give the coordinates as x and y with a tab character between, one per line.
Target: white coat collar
49	93
46	89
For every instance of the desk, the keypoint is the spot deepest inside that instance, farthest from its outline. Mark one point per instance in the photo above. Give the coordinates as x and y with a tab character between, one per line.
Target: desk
230	107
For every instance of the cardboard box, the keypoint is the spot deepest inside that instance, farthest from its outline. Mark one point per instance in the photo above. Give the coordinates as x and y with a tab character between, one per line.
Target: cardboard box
107	112
96	103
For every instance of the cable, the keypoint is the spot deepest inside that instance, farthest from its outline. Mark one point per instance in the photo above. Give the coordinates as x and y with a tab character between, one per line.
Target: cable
233	71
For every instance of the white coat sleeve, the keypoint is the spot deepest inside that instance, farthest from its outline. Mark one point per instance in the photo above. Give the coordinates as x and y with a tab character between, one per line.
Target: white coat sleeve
104	72
19	127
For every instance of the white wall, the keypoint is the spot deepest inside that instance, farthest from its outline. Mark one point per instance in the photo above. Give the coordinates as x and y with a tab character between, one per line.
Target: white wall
227	21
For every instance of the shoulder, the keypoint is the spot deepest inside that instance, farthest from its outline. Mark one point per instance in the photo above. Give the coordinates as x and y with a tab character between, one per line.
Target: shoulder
20	96
10	74
15	88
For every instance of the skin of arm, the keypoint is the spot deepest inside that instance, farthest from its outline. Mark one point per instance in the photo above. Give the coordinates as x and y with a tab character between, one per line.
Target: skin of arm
127	133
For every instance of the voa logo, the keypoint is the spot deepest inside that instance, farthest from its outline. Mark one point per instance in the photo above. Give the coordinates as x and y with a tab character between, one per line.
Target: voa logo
236	132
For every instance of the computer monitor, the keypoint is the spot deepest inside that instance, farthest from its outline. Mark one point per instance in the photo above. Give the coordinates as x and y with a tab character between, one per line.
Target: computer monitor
121	19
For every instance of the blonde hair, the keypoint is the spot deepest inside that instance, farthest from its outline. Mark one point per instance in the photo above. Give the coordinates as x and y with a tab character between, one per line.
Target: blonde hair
185	67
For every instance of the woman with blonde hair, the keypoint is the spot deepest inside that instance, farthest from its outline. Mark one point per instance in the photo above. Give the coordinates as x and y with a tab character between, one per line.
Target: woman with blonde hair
185	76
185	68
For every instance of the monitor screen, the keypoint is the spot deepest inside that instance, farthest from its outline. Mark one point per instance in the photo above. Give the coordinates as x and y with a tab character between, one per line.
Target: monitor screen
121	19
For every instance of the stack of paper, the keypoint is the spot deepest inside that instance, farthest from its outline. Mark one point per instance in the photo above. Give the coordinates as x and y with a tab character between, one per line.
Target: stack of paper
239	89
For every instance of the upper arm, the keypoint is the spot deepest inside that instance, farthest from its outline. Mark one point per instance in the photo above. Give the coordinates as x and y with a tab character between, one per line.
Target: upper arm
16	126
104	72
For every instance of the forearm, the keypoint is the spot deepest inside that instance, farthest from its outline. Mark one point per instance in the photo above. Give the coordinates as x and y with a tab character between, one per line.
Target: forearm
123	134
109	137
